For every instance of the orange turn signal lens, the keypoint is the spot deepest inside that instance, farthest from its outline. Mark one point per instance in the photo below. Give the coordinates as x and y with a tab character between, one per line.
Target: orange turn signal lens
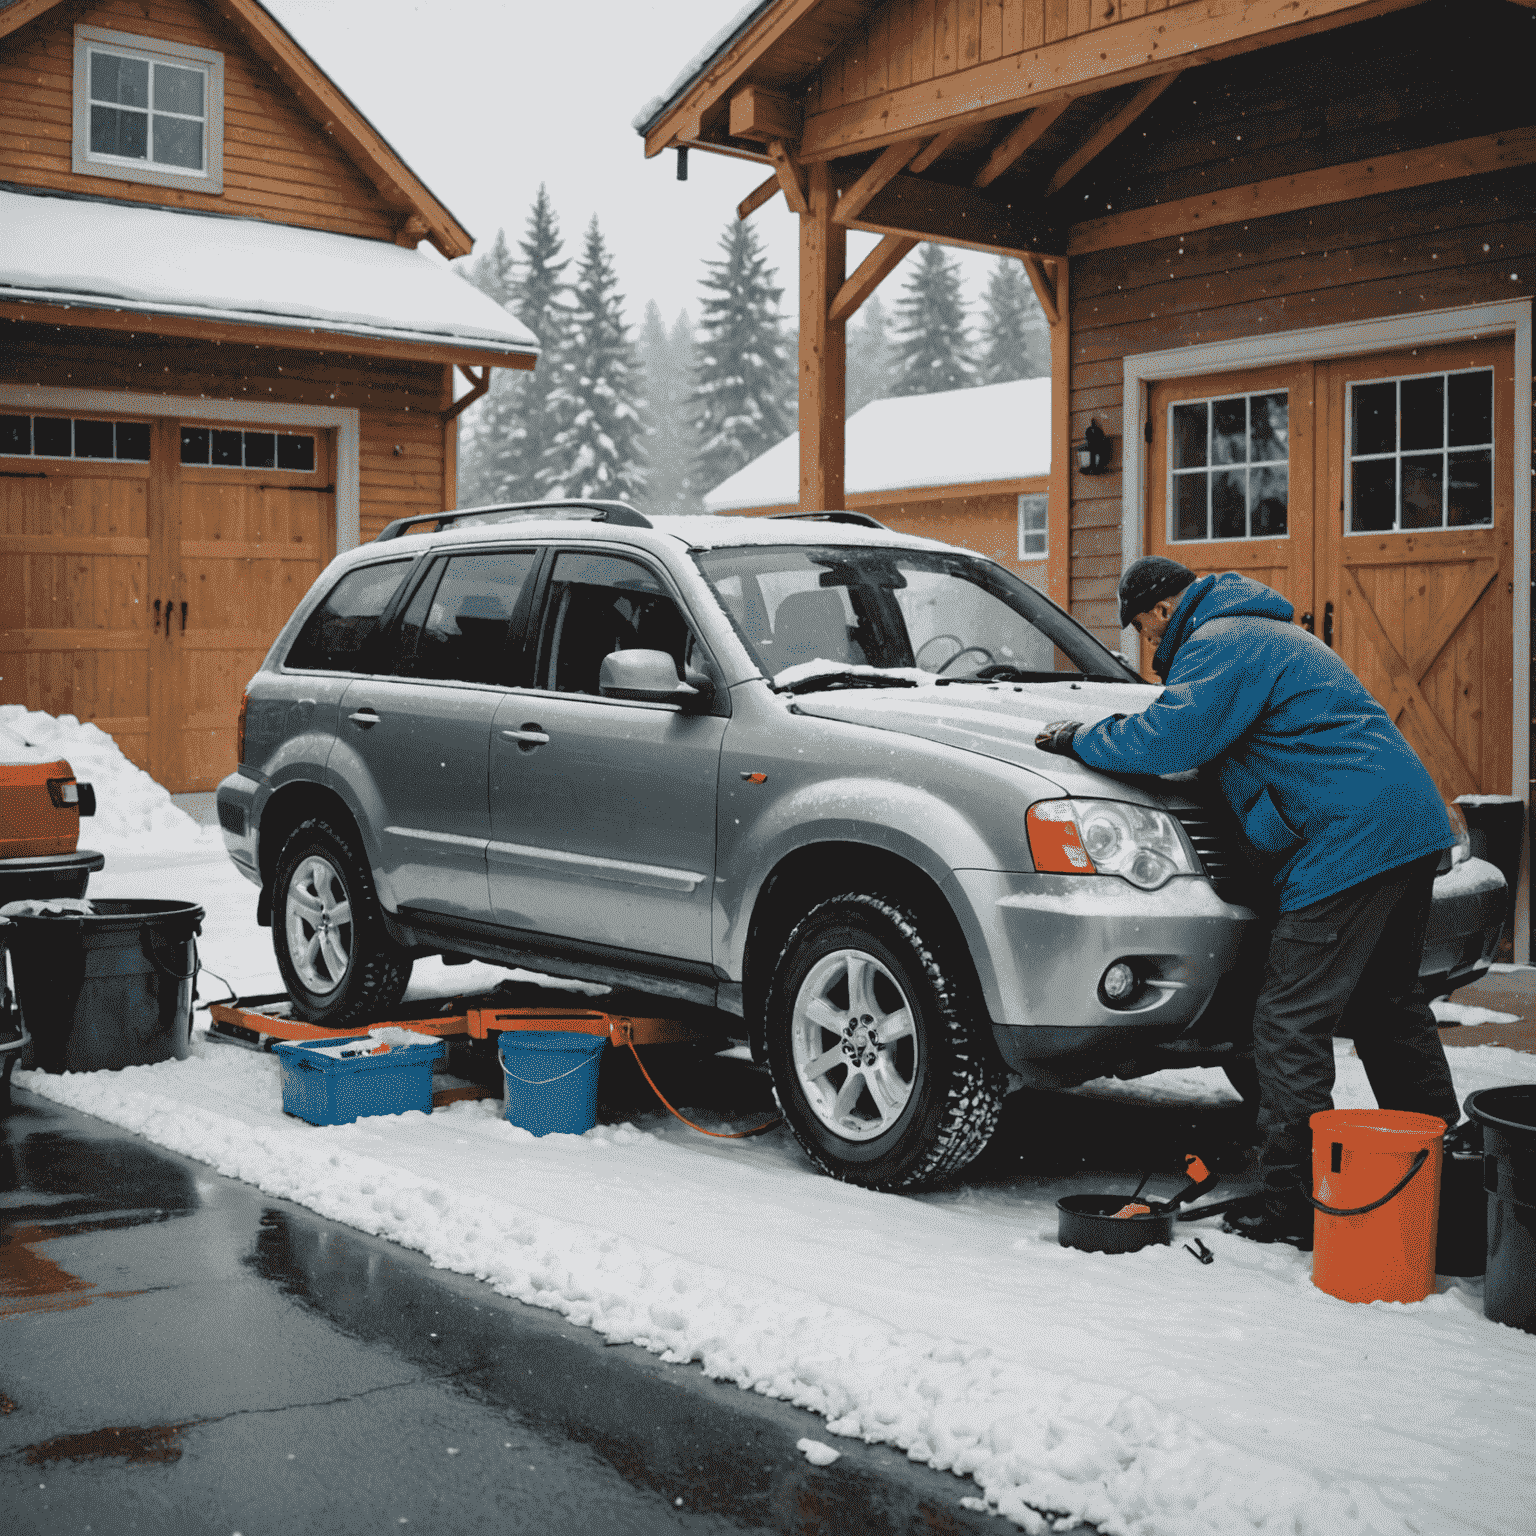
245	700
1054	842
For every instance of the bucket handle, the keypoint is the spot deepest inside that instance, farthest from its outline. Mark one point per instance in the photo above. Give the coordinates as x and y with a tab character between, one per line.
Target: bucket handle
1420	1158
165	970
540	1082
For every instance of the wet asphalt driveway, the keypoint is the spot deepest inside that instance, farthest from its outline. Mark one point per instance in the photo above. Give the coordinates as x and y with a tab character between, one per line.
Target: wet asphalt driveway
180	1353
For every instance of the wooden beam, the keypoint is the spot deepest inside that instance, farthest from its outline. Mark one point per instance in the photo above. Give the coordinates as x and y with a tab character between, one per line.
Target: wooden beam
23	11
823	353
791	177
1106	57
305	338
1311	189
869	274
1044	282
858	196
930	210
936	148
1110	130
1059	507
1018	143
410	230
759	195
481	382
763	115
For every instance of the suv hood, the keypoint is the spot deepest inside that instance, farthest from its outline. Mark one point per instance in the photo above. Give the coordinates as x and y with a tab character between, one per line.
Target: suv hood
1002	720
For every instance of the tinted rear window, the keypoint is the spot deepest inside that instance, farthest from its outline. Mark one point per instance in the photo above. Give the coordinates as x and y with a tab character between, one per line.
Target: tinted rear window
338	635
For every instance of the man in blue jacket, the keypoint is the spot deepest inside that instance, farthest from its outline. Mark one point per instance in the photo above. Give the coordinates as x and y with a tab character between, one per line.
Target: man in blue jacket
1342	813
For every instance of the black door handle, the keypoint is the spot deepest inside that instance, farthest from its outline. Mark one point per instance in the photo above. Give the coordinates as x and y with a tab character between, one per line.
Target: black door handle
1306	622
168	606
1328	625
157	615
183	618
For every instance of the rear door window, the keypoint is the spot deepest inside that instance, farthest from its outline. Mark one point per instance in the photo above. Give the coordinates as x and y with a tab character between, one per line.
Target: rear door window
341	634
458	626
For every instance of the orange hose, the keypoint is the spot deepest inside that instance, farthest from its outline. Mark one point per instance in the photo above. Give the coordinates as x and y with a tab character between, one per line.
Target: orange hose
756	1130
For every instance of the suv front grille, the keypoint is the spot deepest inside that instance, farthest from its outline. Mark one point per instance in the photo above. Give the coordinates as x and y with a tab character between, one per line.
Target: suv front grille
1213	844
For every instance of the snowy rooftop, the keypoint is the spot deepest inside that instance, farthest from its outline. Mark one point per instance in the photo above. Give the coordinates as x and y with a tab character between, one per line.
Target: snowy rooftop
164	262
958	437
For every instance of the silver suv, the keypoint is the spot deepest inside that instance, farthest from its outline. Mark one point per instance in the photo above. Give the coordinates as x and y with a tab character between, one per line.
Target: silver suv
783	768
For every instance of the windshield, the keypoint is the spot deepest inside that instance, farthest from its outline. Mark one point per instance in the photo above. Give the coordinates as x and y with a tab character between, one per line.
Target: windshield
806	610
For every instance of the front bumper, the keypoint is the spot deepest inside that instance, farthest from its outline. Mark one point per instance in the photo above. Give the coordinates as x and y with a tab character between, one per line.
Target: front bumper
1042	943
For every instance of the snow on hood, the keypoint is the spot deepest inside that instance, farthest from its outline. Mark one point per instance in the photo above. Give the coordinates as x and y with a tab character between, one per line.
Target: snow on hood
999	720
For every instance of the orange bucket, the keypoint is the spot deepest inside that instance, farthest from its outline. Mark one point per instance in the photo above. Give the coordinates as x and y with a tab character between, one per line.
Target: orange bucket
1376	1183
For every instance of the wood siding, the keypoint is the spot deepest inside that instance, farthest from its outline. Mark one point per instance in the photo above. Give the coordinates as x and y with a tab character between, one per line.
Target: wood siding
397	403
278	163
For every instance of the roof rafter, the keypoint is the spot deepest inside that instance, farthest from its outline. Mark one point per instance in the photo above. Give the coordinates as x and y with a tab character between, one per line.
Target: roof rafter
1020	141
1109	130
892	161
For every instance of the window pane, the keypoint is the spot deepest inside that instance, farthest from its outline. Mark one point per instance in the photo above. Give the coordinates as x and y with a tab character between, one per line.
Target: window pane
194	445
178	89
599	604
51	436
259	450
1189	436
1269	427
133	441
15	434
1423	413
179	141
93	439
336	636
1375	418
1229	504
115	132
1189	506
1229	431
120	80
1268	497
463	635
1034	525
1423	490
296	453
226	449
1471	489
104	76
1471	408
1373	495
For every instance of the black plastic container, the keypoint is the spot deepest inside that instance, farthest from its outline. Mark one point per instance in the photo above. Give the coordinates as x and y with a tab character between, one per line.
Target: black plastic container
1089	1223
112	988
1508	1119
44	879
1461	1246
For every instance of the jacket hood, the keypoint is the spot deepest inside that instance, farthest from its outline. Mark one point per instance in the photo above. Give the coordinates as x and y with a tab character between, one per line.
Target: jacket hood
1219	597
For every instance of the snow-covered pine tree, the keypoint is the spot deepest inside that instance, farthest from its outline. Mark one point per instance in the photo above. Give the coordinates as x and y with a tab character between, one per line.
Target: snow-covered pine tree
596	441
491	272
869	356
933	349
667	358
1015	339
743	374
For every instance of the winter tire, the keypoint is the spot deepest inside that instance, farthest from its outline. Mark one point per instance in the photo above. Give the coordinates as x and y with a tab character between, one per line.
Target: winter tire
337	960
881	1054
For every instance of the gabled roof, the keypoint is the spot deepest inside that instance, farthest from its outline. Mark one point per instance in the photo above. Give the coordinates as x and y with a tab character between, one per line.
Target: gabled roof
359	140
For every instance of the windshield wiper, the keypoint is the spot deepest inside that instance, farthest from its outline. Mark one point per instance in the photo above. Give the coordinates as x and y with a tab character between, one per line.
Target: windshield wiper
827	682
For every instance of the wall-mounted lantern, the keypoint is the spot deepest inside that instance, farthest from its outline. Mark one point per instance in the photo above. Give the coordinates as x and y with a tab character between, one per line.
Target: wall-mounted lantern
1093	453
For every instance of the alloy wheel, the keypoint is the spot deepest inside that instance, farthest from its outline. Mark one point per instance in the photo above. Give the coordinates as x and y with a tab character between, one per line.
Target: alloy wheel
318	920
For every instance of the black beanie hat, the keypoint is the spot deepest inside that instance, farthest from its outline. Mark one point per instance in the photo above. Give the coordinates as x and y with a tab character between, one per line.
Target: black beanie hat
1147	582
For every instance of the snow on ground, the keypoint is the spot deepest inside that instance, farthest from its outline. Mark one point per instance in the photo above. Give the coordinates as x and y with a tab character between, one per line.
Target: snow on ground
1447	1012
1145	1393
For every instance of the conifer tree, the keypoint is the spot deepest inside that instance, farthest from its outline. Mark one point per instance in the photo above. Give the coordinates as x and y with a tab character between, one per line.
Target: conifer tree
491	272
869	356
743	373
671	444
932	345
595	444
1015	339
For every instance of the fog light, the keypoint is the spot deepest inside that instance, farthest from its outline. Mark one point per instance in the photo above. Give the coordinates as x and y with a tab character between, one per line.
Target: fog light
1118	982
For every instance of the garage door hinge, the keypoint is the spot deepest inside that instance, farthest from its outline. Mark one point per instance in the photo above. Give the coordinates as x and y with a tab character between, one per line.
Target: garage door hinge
1147	430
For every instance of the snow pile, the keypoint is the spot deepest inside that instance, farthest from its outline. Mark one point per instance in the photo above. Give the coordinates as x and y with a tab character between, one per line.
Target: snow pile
134	814
1447	1012
805	671
817	1452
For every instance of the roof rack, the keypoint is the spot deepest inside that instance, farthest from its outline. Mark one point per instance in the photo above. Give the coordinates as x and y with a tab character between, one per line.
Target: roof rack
619	513
856	519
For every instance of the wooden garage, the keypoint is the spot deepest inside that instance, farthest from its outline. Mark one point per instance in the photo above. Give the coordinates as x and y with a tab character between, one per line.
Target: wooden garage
223	358
1287	253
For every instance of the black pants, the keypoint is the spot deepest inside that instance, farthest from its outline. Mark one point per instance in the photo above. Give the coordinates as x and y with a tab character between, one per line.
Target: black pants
1346	965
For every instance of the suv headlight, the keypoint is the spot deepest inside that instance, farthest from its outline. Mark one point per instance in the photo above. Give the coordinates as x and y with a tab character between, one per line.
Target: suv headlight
1106	837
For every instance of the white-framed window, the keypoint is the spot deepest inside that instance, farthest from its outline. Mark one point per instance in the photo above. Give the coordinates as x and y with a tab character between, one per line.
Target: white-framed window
1421	452
148	110
1034	527
1229	468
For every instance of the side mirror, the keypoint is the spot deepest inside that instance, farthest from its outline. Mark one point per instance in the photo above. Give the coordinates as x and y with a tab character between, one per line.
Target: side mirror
650	677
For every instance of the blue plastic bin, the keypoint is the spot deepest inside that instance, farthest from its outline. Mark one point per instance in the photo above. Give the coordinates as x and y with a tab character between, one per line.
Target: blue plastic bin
551	1078
330	1090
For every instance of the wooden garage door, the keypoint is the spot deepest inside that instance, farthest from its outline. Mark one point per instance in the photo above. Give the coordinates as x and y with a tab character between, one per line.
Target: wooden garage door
145	567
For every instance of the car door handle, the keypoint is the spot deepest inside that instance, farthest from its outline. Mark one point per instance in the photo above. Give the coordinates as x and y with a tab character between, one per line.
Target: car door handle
528	738
364	717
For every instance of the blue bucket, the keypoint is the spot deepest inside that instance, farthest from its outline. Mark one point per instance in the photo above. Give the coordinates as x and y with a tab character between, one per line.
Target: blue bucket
551	1078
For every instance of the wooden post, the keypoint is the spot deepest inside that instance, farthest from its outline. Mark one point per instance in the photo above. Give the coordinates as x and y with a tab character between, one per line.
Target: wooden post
451	441
823	353
1059	511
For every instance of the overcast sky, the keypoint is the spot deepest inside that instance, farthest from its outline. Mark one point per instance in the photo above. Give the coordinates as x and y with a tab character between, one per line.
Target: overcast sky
485	99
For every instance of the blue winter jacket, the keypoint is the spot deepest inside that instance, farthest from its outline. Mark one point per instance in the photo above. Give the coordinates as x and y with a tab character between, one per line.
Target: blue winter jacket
1319	776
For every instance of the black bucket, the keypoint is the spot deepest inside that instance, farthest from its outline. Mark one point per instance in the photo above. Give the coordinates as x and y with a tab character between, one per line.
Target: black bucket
1508	1119
111	988
1089	1223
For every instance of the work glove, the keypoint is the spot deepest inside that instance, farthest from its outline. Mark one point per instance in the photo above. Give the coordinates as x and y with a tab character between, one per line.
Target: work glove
1057	736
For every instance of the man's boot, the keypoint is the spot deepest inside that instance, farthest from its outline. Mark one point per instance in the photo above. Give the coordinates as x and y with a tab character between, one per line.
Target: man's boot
1277	1218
